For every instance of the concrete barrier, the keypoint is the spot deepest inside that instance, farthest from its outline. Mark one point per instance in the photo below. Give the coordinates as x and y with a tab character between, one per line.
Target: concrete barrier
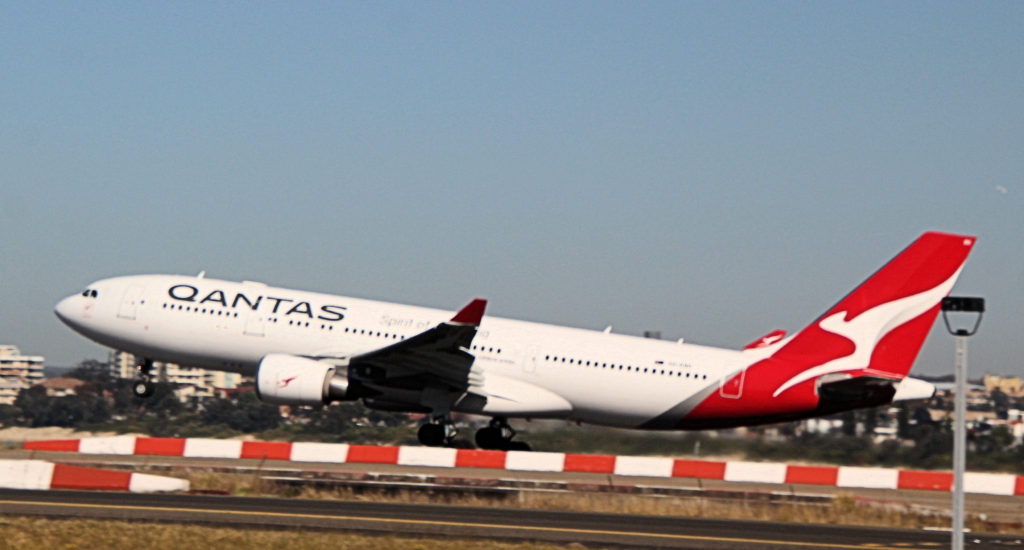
638	466
43	475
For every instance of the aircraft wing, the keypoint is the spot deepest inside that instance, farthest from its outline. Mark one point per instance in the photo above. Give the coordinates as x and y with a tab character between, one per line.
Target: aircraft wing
434	372
434	358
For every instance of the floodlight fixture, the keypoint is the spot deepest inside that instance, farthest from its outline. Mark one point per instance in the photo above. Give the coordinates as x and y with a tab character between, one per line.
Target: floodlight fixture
962	304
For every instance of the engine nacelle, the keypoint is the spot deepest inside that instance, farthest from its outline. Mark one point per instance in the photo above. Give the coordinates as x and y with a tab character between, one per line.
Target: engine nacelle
284	379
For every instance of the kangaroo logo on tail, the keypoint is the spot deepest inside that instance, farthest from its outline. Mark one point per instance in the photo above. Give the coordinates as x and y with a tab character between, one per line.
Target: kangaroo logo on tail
868	328
854	355
897	305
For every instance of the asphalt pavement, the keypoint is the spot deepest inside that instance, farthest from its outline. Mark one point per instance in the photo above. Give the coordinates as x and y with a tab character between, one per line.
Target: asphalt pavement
590	529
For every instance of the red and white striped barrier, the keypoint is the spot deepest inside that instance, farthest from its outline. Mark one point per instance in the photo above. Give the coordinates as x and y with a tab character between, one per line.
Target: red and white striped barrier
40	474
646	466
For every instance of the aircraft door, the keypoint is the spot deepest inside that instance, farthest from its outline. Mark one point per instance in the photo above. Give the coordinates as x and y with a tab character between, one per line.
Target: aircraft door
130	303
530	361
732	385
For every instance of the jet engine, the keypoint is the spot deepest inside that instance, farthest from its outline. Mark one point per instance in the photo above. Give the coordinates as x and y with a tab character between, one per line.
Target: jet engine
284	379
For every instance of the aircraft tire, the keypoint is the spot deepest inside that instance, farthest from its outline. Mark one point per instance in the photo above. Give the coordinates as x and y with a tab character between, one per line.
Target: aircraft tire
490	439
431	435
143	388
518	446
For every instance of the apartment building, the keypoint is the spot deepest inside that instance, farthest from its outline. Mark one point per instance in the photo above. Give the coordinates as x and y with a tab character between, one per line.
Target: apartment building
1012	386
18	372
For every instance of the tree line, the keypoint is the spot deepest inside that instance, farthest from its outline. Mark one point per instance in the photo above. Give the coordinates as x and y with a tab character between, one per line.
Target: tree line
105	403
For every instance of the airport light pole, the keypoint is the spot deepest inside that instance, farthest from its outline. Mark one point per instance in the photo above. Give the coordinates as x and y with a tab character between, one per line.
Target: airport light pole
970	306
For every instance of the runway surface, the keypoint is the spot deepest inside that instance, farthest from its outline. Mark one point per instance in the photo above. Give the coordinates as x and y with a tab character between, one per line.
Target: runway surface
593	530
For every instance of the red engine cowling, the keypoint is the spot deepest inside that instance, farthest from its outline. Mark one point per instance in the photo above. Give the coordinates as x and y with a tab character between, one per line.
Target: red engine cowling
284	379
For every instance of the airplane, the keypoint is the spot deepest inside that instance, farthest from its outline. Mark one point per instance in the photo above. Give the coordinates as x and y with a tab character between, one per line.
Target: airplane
306	348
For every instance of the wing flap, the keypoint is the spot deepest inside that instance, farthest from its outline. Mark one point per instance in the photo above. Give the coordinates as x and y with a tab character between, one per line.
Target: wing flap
507	396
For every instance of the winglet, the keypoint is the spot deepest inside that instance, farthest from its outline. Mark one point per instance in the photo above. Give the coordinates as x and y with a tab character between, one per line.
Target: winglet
471	314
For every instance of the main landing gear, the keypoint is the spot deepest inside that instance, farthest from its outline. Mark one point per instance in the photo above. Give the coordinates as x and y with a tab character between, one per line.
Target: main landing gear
498	436
439	431
143	386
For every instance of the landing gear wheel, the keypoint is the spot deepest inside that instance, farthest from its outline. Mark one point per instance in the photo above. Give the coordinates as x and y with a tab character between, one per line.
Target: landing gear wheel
489	438
143	388
439	431
519	446
432	435
498	436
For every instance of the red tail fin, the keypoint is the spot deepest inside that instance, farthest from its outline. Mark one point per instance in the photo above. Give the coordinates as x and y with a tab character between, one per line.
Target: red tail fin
844	359
879	328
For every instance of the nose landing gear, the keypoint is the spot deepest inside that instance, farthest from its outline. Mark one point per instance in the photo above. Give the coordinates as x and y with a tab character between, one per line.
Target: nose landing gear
143	386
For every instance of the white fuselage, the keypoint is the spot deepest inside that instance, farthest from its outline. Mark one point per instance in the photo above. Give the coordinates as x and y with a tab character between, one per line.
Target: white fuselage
608	379
307	348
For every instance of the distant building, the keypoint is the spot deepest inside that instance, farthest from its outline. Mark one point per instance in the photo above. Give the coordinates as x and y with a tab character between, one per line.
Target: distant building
1010	385
121	364
18	372
950	388
819	425
9	389
60	386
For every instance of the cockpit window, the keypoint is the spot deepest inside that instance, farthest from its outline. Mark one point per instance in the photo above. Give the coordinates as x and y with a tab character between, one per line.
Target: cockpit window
90	293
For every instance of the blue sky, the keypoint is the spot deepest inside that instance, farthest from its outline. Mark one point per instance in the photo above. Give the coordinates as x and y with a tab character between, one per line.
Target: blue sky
712	170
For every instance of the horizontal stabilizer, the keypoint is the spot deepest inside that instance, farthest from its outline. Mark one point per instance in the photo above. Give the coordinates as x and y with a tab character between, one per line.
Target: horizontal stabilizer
911	389
767	340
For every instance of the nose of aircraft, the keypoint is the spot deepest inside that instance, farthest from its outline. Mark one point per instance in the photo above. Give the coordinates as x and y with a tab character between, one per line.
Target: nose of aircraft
66	309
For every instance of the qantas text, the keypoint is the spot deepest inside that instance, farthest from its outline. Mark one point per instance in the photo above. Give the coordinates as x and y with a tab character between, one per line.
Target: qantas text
285	306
